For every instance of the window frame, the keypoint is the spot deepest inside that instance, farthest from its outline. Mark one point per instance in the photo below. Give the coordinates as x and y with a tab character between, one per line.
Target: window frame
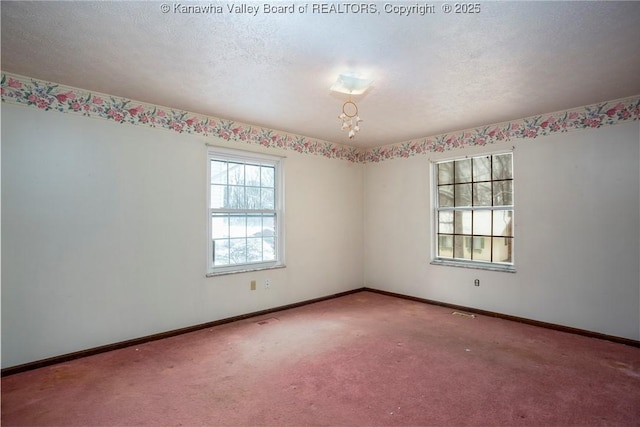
251	158
463	262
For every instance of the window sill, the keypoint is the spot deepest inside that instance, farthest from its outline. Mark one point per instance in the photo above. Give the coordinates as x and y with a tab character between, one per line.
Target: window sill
245	270
475	265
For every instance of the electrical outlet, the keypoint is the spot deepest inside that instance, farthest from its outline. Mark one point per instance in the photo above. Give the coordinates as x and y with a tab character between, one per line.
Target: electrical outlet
253	285
476	282
267	284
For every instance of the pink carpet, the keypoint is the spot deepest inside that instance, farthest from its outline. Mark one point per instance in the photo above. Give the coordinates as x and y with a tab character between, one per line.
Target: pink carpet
360	360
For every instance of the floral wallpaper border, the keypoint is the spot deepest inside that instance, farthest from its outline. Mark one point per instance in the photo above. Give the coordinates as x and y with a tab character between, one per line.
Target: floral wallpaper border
54	97
588	117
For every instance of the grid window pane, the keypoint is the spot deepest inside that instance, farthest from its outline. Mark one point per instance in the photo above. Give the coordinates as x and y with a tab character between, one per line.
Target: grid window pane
502	249
219	226
482	168
445	196
502	166
218	197
252	175
235	198
238	226
254	226
502	223
236	173
254	249
463	222
267	176
482	223
237	251
269	249
481	248
461	247
503	193
269	225
268	198
462	170
445	245
445	173
221	252
218	172
463	194
445	222
252	195
482	194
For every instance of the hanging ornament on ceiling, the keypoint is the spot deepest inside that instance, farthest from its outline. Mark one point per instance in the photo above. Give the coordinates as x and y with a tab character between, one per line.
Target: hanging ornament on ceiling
350	118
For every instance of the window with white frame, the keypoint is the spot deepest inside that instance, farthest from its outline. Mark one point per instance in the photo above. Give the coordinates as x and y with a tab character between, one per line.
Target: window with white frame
474	211
245	211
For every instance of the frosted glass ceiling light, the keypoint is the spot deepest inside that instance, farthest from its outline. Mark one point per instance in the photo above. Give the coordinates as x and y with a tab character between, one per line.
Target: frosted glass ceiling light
350	84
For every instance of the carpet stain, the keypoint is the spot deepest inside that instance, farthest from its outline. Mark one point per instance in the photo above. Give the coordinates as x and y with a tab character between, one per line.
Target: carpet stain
625	368
167	370
63	374
468	315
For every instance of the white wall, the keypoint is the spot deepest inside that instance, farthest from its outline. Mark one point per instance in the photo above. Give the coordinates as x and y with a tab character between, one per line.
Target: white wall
577	222
103	234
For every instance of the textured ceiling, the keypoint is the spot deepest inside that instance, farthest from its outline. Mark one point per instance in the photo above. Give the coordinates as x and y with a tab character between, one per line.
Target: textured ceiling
432	74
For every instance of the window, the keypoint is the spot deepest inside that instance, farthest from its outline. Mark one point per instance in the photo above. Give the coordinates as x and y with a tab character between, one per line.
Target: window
474	211
245	211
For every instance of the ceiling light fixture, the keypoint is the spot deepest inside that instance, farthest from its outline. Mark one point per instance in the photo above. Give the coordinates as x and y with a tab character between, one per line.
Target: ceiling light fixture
351	84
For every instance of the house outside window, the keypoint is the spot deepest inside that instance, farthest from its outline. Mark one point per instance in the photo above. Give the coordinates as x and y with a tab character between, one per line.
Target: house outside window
474	211
245	211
